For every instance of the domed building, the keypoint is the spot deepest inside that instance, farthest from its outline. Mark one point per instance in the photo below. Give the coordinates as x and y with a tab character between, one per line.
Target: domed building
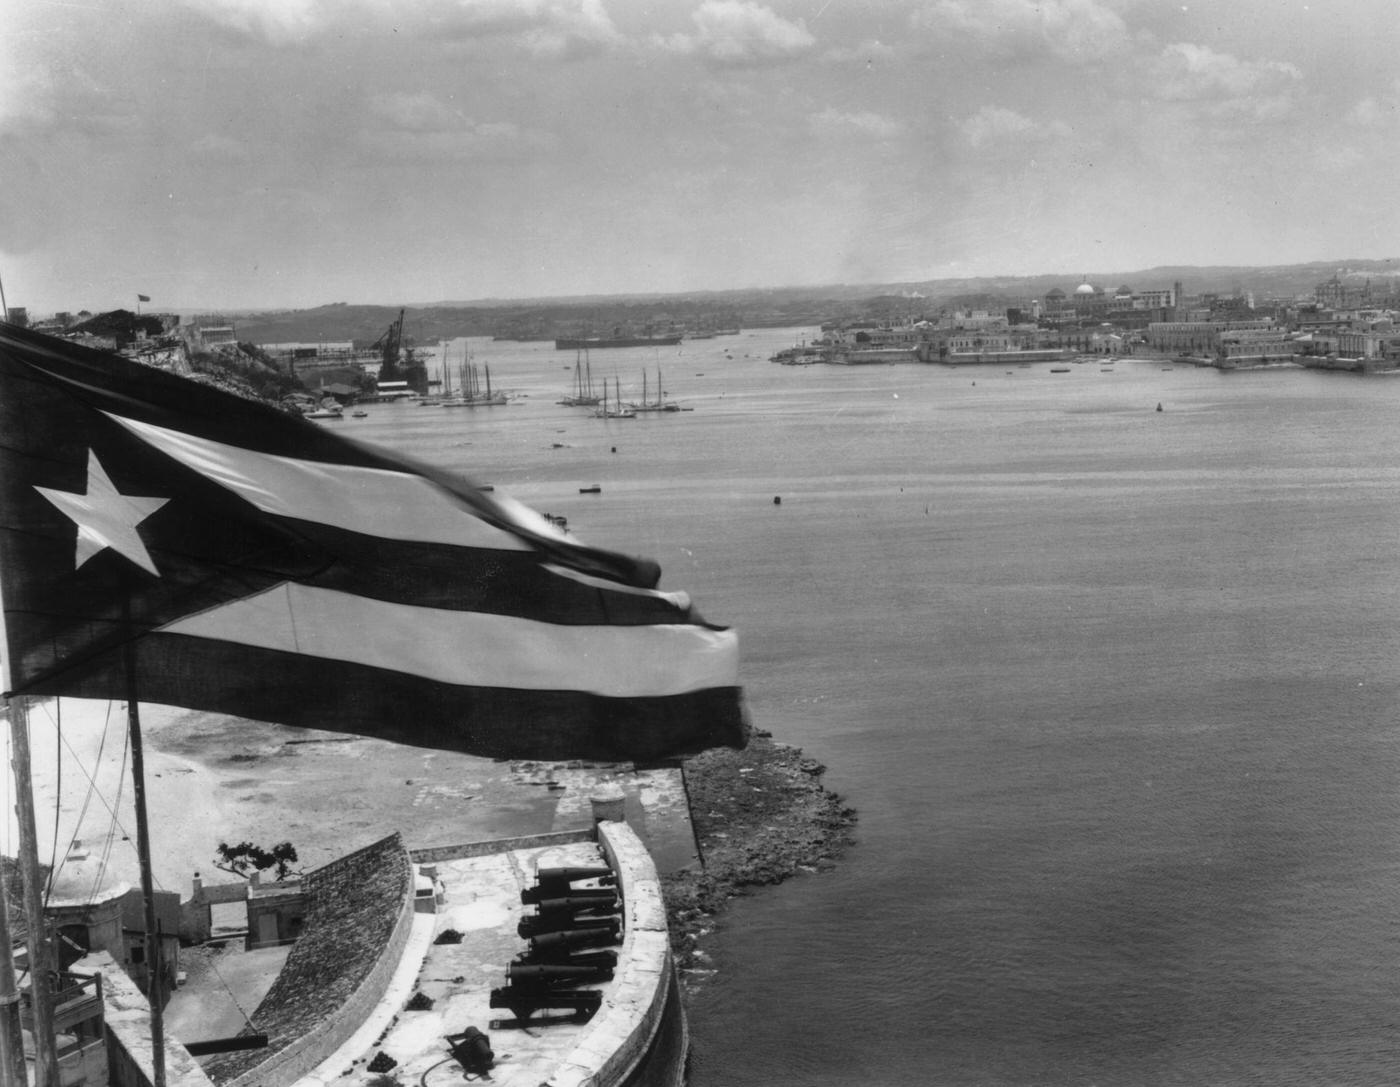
1085	290
93	909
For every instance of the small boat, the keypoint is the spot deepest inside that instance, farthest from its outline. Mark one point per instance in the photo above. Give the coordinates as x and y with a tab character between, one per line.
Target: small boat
358	414
1059	369
595	489
325	413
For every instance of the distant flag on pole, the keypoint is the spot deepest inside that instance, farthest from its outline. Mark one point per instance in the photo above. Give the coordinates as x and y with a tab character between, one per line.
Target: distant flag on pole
252	563
143	298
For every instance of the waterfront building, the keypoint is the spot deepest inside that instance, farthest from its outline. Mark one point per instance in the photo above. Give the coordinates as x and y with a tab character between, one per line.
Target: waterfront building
1197	337
1255	346
1369	343
1339	294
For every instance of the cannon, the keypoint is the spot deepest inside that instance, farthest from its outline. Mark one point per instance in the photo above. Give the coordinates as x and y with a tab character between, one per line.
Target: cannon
577	903
572	939
523	975
533	896
544	923
524	1001
565	876
565	956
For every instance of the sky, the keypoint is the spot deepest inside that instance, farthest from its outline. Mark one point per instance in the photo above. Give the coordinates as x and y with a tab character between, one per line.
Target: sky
290	153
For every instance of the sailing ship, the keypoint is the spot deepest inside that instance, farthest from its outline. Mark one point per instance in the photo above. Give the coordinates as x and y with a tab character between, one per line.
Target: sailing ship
617	411
471	394
660	403
444	386
583	394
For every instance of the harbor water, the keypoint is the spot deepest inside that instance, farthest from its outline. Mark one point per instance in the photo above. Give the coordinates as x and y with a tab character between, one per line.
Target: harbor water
1114	691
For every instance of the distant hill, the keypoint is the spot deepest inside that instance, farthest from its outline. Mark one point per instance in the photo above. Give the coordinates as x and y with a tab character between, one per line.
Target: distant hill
760	307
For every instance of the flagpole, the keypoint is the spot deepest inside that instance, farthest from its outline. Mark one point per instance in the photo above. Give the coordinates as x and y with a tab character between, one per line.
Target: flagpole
143	851
40	980
12	1067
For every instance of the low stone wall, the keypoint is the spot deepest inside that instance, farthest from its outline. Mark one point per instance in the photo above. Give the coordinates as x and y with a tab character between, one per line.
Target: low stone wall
436	853
623	1031
127	1018
359	920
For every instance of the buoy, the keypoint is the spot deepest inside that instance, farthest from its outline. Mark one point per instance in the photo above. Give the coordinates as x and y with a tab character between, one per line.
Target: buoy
1159	405
614	449
777	500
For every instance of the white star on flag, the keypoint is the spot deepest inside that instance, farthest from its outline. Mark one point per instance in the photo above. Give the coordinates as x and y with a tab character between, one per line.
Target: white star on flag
105	517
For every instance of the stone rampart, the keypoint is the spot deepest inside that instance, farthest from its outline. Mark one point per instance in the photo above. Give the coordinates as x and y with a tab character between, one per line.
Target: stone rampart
624	1030
358	921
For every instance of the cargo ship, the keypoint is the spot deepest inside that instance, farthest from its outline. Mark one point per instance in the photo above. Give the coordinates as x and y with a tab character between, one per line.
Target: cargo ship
588	343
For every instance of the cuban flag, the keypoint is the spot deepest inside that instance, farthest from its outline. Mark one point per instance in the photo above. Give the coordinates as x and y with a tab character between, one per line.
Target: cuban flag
166	541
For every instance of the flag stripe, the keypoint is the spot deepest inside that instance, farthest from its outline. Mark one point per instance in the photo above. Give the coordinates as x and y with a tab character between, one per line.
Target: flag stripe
392	505
473	649
502	582
492	722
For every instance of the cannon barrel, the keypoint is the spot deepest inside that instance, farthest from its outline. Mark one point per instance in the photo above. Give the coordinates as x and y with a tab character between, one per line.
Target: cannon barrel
565	956
572	938
576	904
533	895
527	974
524	1002
561	922
573	875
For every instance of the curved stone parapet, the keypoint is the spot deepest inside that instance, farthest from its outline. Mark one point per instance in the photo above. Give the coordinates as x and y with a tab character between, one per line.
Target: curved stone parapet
360	919
622	1034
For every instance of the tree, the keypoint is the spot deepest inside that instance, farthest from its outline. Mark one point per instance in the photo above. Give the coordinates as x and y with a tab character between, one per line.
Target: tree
245	858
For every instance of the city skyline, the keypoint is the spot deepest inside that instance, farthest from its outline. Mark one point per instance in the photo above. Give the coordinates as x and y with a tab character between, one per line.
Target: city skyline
256	153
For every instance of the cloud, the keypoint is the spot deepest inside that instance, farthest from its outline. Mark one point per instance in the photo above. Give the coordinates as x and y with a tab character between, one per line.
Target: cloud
420	112
834	123
994	125
552	28
1074	31
1376	111
546	28
865	51
421	127
737	32
1186	73
278	22
26	95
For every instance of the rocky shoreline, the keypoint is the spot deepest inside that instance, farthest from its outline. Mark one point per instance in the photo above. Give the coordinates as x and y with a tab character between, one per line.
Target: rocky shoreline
761	815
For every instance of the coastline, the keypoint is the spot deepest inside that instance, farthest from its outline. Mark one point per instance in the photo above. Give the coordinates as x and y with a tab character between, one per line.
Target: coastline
761	816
